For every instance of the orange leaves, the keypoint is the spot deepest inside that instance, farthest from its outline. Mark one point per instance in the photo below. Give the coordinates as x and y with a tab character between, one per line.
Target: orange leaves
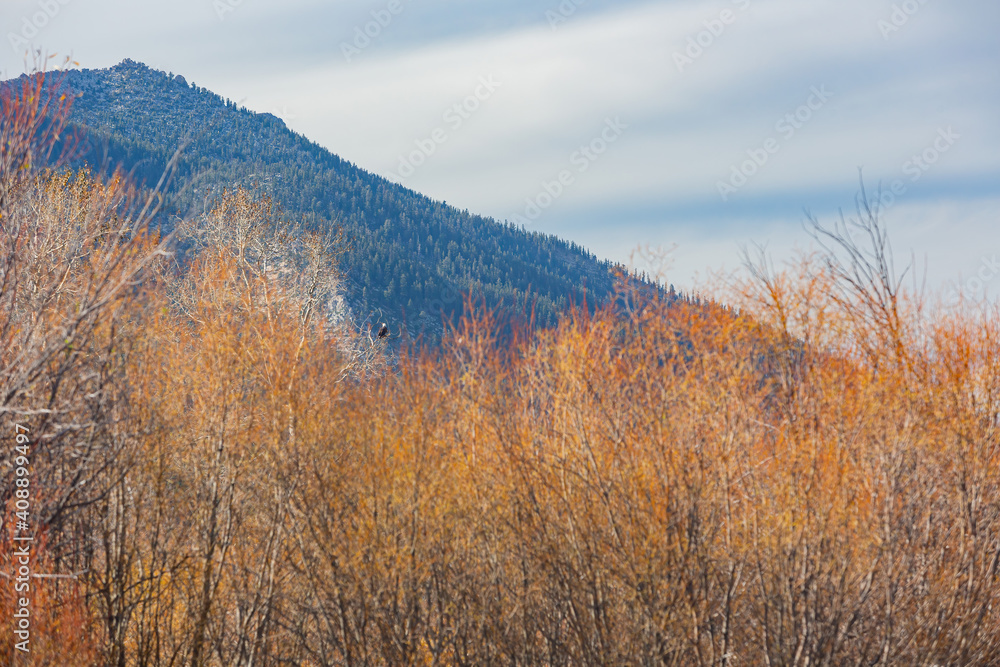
797	481
33	114
60	627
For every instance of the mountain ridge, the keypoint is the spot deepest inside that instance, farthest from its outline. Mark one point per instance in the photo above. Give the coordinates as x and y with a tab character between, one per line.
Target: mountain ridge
411	258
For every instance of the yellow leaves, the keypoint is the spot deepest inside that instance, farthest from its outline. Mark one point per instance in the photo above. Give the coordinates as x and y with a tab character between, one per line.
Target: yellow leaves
659	483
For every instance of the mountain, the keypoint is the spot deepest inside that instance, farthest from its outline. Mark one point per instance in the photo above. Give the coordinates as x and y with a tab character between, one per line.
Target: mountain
409	256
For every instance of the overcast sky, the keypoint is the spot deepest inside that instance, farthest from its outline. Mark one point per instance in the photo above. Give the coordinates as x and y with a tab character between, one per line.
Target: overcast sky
702	123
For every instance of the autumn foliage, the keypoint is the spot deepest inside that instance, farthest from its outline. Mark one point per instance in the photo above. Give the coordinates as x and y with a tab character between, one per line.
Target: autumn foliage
229	475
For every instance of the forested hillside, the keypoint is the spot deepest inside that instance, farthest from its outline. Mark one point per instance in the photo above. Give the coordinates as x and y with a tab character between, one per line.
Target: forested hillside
408	255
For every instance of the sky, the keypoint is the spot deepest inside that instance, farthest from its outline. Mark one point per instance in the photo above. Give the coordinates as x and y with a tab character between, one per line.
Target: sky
690	128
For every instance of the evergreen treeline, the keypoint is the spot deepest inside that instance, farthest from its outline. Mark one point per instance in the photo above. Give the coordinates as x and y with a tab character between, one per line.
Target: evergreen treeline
410	256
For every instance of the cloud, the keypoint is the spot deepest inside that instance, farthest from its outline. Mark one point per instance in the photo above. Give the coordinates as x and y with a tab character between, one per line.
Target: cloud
687	126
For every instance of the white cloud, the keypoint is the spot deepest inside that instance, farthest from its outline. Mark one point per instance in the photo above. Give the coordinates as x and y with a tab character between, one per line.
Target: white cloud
611	59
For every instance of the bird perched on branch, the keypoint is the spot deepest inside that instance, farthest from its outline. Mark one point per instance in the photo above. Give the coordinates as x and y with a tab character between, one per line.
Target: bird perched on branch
383	331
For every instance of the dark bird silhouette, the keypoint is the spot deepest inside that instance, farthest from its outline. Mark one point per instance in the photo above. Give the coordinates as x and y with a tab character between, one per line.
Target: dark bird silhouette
383	331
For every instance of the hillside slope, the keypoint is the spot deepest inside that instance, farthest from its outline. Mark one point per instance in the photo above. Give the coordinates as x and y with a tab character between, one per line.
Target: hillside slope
410	257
